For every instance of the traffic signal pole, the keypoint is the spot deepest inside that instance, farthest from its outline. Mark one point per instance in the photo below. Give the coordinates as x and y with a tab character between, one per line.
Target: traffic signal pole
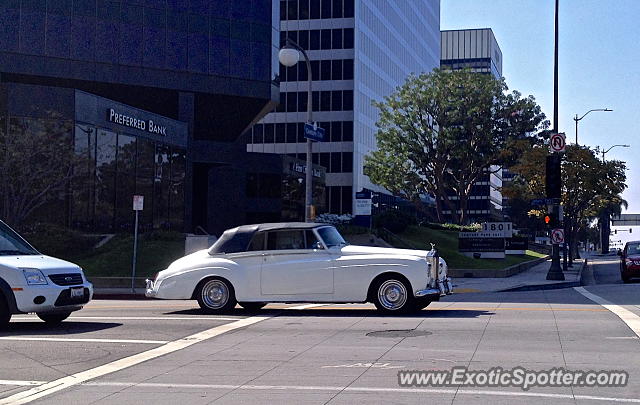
553	168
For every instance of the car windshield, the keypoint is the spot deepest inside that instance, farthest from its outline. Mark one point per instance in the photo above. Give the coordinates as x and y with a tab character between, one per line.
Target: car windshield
331	236
633	249
11	244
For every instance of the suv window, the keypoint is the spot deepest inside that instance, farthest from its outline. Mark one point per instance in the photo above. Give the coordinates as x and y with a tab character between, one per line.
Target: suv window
12	244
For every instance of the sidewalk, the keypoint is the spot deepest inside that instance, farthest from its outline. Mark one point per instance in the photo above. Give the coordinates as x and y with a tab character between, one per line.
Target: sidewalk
533	279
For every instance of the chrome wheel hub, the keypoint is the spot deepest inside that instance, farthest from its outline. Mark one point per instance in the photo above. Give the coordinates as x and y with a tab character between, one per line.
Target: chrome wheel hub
392	294
215	294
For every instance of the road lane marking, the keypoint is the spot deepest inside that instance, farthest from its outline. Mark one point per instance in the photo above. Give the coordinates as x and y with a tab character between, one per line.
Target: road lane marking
369	390
21	383
46	339
83	376
139	318
629	318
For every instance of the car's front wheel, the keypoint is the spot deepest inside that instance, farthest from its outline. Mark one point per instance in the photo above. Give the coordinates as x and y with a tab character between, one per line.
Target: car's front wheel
216	295
5	315
252	306
53	319
393	295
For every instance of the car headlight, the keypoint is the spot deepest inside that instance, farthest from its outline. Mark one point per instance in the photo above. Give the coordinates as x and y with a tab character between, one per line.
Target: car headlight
34	277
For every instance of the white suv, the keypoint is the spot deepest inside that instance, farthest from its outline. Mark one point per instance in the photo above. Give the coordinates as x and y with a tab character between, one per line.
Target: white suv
33	282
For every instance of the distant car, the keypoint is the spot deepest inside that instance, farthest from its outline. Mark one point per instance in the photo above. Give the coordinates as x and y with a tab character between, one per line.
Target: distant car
301	262
33	282
630	261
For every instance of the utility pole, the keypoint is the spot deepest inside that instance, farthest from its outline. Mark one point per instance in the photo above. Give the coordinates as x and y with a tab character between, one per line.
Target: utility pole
553	167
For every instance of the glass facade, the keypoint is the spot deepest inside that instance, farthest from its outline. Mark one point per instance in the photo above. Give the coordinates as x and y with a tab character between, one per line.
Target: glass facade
119	166
197	36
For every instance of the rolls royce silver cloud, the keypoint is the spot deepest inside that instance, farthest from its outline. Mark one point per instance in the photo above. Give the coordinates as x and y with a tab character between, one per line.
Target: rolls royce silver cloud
253	265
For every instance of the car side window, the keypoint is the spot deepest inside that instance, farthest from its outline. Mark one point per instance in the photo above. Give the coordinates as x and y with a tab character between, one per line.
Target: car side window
312	240
257	243
285	240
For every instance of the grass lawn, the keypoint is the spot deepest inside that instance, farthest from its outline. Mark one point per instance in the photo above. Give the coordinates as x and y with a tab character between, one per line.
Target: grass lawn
447	244
114	258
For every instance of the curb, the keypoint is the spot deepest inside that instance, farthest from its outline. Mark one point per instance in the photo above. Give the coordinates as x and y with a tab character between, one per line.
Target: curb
554	286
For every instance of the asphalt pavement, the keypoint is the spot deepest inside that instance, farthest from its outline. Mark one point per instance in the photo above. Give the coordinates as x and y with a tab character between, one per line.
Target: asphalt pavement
147	351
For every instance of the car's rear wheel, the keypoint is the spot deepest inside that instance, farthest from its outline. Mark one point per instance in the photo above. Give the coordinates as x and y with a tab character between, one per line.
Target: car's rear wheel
53	319
252	306
216	295
5	315
393	296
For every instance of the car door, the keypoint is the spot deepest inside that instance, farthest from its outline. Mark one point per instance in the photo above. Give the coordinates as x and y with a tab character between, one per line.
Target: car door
296	265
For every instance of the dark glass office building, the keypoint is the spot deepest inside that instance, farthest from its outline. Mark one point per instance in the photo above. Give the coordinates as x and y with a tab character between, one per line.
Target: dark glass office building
154	93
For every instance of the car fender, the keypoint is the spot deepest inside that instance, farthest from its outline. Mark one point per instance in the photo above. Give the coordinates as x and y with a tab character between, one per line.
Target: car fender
7	294
183	284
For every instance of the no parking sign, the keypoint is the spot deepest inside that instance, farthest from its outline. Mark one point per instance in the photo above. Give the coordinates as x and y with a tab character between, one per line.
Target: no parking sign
557	236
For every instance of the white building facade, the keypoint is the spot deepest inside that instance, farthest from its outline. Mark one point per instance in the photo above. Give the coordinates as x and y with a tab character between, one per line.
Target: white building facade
361	50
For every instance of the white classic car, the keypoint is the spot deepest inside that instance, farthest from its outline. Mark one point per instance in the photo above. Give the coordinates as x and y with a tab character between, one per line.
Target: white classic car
301	262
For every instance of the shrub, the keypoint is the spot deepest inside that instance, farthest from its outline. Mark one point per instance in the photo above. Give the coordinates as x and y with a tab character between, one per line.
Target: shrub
394	220
334	219
58	241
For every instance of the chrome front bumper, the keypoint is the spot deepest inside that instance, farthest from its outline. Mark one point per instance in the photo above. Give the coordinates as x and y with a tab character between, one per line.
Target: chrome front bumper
445	287
149	290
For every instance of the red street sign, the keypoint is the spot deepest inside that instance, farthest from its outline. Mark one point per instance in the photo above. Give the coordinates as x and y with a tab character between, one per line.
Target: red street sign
558	143
557	236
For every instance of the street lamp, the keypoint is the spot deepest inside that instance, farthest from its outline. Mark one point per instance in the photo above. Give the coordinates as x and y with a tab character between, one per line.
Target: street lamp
290	55
576	119
604	218
604	152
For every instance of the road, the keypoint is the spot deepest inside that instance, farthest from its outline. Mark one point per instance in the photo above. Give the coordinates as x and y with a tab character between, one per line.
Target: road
167	352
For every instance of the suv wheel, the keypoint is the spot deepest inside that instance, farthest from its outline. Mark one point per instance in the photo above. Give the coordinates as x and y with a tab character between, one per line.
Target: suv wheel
216	296
393	296
5	315
54	318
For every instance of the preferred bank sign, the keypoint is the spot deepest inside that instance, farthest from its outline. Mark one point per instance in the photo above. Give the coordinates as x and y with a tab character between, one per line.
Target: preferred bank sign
132	122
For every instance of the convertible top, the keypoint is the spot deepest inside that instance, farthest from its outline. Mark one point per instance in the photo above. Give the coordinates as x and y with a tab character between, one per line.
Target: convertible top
237	239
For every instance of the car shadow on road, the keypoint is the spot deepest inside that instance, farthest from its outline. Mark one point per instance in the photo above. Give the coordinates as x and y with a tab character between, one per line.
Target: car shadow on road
343	313
36	328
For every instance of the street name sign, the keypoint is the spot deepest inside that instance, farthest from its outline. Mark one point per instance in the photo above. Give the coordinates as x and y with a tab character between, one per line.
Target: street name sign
313	132
540	202
481	234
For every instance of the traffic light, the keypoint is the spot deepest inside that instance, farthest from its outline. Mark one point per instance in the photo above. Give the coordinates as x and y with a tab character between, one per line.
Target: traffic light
552	221
553	176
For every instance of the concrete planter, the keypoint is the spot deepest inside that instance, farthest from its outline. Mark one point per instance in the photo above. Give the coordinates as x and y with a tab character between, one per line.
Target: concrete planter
495	273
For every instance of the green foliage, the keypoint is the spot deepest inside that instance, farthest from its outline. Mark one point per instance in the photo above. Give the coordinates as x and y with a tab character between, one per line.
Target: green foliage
395	221
347	229
447	245
452	227
441	131
156	251
58	241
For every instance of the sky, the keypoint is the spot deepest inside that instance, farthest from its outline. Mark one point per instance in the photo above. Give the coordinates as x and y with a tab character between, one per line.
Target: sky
599	67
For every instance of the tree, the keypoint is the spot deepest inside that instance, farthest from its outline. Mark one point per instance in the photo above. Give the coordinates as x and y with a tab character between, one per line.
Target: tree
36	164
440	132
589	186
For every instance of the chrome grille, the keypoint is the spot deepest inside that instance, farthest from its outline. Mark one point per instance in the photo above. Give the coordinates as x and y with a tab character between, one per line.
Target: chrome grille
66	279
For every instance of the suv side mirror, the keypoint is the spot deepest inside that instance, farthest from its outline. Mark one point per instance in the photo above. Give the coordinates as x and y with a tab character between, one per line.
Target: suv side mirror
316	245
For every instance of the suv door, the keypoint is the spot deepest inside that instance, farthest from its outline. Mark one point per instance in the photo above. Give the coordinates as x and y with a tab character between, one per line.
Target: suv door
296	264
